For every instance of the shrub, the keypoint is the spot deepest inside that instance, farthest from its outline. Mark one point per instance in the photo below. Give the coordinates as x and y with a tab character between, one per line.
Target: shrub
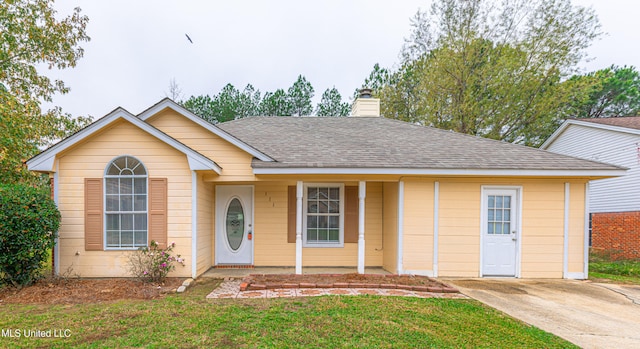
153	264
29	222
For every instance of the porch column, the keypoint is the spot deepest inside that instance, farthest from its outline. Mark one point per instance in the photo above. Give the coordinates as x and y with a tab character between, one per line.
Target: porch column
362	193
55	254
194	224
299	227
565	245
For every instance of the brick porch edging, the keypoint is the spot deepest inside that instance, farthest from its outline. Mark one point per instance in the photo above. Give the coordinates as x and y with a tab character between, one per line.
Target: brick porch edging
246	285
231	289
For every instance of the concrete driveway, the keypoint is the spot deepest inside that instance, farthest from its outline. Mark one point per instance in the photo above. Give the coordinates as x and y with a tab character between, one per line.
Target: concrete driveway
591	315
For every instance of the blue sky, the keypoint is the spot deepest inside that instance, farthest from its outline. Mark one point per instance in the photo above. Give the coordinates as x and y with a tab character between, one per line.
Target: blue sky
137	47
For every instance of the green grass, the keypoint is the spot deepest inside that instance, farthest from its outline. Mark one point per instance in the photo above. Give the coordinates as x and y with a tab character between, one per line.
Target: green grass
595	276
603	265
190	321
625	271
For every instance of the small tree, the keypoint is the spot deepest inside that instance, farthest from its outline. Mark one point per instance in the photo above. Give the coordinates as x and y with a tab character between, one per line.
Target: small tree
29	221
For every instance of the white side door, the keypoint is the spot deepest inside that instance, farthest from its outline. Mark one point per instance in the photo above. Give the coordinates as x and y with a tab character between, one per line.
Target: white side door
499	232
234	225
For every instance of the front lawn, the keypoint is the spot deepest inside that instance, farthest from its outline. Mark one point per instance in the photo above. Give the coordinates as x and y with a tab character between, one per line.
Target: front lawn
190	321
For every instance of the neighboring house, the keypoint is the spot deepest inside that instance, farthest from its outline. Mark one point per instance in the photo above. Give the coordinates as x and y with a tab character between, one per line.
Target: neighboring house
614	203
316	191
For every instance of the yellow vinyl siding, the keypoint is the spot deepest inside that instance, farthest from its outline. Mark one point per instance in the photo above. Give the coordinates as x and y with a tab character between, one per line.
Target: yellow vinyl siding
418	225
373	225
390	227
89	160
270	230
205	226
576	227
542	229
235	163
459	228
272	249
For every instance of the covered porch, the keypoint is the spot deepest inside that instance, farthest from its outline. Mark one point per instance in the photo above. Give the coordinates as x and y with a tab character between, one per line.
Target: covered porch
279	234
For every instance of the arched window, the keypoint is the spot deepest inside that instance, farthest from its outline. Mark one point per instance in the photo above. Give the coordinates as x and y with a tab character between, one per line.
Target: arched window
125	203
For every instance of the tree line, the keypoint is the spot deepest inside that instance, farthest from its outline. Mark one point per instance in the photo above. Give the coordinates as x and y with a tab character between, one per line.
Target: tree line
231	103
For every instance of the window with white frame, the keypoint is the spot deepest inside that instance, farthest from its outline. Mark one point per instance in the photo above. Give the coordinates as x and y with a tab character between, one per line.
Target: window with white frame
323	215
125	204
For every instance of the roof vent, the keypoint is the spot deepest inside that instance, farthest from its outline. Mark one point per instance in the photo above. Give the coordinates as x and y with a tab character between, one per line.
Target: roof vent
365	104
365	93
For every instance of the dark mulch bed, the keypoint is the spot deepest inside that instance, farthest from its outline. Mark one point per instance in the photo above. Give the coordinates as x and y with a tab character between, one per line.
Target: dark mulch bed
79	291
408	282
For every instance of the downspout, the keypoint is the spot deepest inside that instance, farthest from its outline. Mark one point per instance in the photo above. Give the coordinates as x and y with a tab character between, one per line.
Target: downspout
194	224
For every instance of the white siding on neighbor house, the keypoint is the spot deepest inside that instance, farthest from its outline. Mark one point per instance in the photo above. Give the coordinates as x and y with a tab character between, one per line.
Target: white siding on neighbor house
618	148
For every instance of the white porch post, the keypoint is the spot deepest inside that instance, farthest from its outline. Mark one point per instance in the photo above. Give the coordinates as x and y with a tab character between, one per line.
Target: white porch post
400	266
362	193
299	227
436	225
565	253
194	224
56	199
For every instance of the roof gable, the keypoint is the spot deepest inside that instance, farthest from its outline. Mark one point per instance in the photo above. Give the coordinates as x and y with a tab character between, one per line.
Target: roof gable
44	162
168	103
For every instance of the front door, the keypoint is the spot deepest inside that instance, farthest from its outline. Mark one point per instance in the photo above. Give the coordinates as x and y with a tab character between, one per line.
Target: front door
499	232
234	225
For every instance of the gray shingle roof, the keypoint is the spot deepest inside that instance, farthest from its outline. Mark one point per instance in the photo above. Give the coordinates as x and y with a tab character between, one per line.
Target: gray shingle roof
376	142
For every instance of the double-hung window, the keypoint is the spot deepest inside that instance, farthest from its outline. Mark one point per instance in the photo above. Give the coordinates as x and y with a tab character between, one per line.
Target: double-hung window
125	204
323	219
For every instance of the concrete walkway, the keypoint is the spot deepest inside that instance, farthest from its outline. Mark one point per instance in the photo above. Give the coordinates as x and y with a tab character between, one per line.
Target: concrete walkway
231	289
588	314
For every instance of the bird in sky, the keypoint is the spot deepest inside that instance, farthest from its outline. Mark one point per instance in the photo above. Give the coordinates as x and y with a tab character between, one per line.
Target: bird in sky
188	38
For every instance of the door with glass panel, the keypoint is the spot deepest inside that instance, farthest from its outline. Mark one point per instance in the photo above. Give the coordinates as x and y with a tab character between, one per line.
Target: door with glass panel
499	232
234	225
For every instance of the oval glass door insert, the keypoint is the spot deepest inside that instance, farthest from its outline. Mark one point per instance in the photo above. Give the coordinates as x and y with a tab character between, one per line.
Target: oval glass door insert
235	224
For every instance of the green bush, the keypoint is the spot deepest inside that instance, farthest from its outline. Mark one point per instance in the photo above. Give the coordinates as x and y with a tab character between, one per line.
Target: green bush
153	264
29	222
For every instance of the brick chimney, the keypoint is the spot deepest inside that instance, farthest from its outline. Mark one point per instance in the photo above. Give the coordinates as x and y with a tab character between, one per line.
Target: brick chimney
365	105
